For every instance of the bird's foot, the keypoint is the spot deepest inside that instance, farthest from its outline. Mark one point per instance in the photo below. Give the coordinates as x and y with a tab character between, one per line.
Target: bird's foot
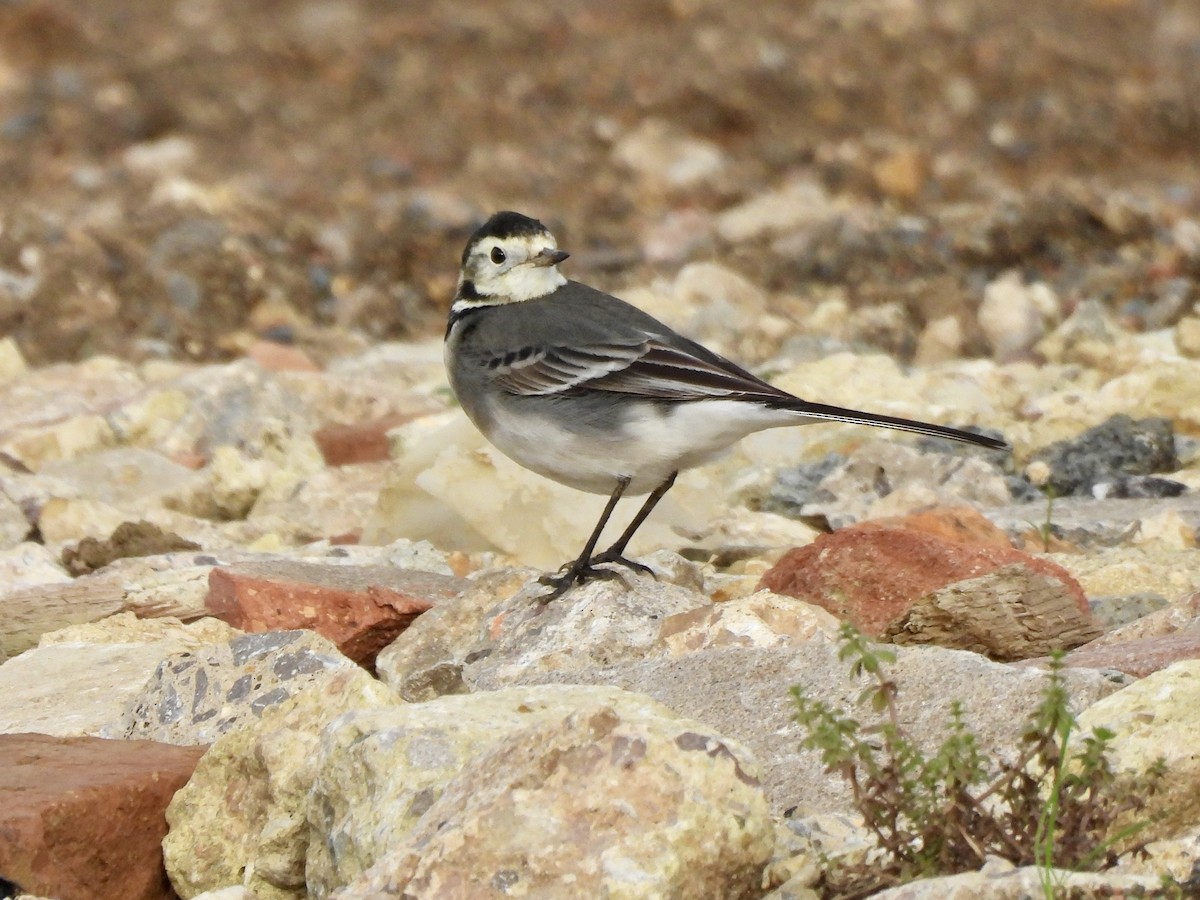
611	555
573	573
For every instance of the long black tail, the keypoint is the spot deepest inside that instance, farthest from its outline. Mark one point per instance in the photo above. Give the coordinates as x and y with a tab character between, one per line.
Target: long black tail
857	417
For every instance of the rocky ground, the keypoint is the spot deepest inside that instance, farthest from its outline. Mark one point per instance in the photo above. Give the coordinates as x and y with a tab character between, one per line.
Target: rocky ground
267	600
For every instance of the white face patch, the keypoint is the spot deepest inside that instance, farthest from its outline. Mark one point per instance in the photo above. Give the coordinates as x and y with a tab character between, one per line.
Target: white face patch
502	270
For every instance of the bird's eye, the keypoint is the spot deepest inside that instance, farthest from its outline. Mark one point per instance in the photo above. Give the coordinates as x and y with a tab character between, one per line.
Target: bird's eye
497	255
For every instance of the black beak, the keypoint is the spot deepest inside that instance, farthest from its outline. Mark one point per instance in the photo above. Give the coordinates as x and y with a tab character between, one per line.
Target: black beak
548	257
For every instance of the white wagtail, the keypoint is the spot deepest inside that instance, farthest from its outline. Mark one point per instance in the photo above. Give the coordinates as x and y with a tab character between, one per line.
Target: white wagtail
594	393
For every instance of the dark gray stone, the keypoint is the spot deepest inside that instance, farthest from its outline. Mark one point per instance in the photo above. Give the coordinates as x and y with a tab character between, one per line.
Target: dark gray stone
1120	446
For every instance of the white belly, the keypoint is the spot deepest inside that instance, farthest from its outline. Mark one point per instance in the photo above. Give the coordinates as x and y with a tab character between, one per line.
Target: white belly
647	450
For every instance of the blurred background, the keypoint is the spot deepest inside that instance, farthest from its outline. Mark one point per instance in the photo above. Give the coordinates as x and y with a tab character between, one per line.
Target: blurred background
177	179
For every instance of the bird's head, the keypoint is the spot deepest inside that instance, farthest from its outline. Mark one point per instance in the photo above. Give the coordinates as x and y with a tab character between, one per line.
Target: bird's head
508	259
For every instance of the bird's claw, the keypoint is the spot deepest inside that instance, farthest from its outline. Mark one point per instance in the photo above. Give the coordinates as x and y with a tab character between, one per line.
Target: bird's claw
579	571
574	573
611	556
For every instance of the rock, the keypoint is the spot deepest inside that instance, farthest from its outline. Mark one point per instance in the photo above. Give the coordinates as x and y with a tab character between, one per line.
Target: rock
275	357
957	395
28	565
901	174
797	485
1138	487
234	481
587	790
197	695
81	686
83	817
429	662
35	445
1088	337
1167	529
498	630
807	844
886	479
360	442
241	818
14	527
678	235
64	520
1136	657
128	478
1156	387
801	203
244	407
165	156
1014	315
150	586
1011	613
1177	616
743	693
911	586
742	537
1157	717
941	340
59	411
406	510
390	377
1187	336
12	362
127	628
402	554
360	608
1113	612
759	620
129	539
1119	446
333	503
1175	857
954	523
668	160
885	326
1105	528
236	892
1000	880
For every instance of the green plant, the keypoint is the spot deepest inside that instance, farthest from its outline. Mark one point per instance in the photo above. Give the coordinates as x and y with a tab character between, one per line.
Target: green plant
1045	530
945	812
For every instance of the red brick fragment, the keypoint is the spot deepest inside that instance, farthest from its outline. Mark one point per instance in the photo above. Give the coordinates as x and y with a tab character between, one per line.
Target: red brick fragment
872	576
362	609
84	818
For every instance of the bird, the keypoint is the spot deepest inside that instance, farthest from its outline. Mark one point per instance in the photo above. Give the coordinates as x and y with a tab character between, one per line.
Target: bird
594	393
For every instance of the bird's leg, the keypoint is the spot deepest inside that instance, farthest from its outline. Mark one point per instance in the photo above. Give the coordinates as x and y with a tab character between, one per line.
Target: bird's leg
582	569
615	553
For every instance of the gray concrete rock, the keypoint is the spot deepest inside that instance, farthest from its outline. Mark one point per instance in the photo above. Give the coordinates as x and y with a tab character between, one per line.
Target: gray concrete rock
498	630
77	687
560	791
1157	716
743	693
882	478
999	880
197	695
1100	524
242	816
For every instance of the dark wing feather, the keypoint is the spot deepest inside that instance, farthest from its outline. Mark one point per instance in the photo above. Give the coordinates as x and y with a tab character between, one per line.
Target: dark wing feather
649	368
